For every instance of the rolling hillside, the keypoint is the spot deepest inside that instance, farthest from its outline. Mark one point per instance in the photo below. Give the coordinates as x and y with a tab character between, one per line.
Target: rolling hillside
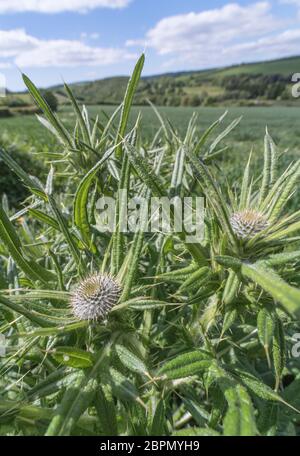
263	83
260	82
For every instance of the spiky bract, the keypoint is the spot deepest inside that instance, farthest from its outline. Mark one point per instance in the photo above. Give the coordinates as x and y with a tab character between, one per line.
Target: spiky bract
95	297
248	223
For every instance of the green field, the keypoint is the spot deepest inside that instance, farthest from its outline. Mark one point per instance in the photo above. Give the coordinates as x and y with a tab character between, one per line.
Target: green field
29	136
282	122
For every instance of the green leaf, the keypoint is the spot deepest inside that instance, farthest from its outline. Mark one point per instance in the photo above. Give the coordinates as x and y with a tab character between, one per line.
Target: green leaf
230	317
224	133
159	419
84	129
178	171
245	186
29	181
73	357
52	383
259	388
41	102
106	410
279	259
33	270
266	181
213	193
76	399
268	417
229	262
36	317
194	432
185	365
120	209
142	303
195	279
54	330
274	157
131	361
239	419
37	295
206	134
124	388
68	237
45	218
266	327
178	274
231	288
144	170
130	265
128	99
198	411
287	295
279	351
81	200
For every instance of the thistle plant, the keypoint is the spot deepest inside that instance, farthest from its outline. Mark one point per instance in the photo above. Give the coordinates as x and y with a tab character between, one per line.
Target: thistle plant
145	333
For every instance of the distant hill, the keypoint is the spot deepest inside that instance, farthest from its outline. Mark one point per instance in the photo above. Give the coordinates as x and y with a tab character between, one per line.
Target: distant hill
285	67
260	83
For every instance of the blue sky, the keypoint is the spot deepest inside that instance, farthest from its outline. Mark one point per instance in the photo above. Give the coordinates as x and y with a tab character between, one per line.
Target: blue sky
77	40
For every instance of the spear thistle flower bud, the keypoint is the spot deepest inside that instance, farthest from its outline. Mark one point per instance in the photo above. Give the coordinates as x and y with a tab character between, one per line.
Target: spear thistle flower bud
95	297
248	223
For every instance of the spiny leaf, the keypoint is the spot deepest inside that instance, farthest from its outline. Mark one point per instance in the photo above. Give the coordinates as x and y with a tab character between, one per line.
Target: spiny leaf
279	350
128	99
266	327
185	365
41	102
73	357
81	199
287	295
130	360
10	238
239	419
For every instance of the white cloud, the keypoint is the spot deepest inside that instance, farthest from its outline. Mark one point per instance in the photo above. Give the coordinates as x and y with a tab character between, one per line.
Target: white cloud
221	36
57	6
63	53
29	51
282	44
13	42
221	25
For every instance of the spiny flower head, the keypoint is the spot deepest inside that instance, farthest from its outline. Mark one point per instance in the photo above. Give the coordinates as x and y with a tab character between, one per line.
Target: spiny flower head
248	223
95	297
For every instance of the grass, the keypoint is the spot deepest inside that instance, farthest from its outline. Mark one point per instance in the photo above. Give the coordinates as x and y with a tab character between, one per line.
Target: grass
282	122
27	130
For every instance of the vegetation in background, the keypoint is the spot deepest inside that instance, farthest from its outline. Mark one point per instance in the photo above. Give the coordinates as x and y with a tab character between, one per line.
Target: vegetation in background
9	183
200	339
51	100
263	84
